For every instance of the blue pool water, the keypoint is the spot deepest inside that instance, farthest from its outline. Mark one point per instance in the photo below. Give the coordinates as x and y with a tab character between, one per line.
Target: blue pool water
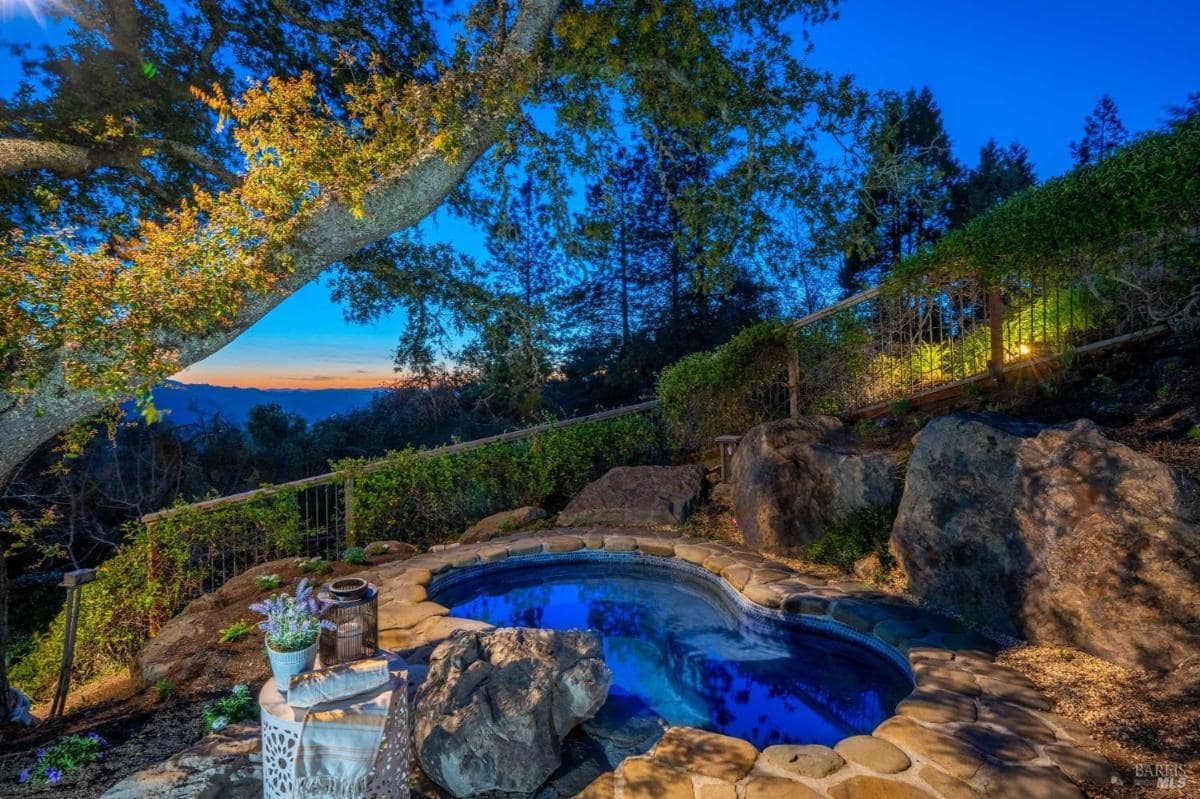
680	648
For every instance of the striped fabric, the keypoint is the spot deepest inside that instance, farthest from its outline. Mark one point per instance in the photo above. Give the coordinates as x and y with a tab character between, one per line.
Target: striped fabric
337	682
339	743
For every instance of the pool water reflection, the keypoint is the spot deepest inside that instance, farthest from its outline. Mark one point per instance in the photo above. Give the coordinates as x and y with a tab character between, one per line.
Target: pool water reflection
679	647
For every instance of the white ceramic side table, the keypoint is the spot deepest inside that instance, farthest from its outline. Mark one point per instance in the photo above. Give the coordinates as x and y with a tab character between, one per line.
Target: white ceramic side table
281	726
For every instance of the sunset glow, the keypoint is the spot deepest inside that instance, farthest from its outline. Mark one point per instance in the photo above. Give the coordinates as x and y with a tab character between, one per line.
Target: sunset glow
262	378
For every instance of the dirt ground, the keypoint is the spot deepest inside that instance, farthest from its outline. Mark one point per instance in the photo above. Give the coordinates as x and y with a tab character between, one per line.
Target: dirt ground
1137	719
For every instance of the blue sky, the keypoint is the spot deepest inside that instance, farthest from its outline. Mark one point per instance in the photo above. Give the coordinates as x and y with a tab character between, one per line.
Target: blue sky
1011	70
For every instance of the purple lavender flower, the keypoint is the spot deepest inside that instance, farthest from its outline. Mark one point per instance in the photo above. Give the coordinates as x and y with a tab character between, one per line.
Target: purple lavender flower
23	777
53	774
293	622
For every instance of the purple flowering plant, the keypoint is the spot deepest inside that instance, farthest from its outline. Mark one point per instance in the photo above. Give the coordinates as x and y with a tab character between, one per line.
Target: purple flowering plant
293	622
64	756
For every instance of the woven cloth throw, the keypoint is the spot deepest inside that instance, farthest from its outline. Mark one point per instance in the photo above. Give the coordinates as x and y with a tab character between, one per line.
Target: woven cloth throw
337	682
339	743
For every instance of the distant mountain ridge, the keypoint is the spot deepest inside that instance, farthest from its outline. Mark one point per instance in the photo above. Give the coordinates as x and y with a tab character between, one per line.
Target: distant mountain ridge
184	403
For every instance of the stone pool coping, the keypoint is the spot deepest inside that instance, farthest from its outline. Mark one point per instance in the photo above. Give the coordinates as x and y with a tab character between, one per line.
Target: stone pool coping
970	727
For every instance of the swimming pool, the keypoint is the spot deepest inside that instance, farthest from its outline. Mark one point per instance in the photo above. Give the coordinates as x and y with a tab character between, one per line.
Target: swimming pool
682	648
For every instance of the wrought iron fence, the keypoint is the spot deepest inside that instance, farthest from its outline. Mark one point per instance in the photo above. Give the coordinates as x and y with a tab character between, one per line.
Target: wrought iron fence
897	343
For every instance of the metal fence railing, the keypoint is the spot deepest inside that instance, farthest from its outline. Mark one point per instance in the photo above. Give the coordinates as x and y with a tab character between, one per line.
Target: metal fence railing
891	344
311	517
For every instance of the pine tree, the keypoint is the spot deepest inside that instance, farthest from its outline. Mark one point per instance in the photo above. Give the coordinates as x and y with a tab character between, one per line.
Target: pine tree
615	240
513	355
904	198
1179	114
1001	173
1103	133
525	257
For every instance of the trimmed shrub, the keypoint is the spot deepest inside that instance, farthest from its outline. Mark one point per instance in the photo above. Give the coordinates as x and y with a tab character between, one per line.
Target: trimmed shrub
728	389
423	499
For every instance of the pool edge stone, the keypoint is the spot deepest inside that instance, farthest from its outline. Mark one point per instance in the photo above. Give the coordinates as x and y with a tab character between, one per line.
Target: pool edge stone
943	660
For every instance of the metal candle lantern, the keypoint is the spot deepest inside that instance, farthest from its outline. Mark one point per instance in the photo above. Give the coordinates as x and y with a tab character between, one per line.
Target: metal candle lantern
354	611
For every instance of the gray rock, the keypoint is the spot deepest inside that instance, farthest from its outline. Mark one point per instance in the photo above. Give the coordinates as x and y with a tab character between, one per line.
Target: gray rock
224	765
636	496
794	478
500	523
496	705
1056	534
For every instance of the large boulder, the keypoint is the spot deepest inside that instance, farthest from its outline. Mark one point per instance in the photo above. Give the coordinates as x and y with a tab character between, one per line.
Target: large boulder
636	496
1056	534
224	765
500	523
496	705
793	478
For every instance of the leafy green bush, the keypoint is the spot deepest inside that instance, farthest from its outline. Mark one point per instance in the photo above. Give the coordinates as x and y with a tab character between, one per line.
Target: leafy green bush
267	582
69	753
1144	195
729	389
237	706
153	574
424	499
1194	433
164	690
355	556
864	532
146	582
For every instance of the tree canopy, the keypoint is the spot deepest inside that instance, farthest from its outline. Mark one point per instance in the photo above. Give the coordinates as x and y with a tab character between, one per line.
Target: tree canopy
171	174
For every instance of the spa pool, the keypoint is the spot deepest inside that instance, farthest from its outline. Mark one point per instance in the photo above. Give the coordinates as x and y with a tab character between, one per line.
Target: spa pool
684	647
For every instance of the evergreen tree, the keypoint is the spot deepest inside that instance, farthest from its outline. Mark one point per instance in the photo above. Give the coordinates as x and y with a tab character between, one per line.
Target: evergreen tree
512	356
615	240
1178	114
1001	173
525	258
1103	132
904	198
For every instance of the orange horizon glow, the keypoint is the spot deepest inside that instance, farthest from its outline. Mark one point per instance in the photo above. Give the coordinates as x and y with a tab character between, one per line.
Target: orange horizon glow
243	379
285	382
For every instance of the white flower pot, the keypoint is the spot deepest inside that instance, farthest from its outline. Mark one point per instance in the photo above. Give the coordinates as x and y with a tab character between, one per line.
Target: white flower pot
285	664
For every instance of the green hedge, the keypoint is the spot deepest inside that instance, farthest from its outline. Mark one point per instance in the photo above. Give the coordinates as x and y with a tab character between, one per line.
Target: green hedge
1135	214
1146	194
729	389
135	592
425	499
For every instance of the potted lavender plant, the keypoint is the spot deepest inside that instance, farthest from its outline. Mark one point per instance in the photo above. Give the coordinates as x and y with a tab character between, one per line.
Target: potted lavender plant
293	627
